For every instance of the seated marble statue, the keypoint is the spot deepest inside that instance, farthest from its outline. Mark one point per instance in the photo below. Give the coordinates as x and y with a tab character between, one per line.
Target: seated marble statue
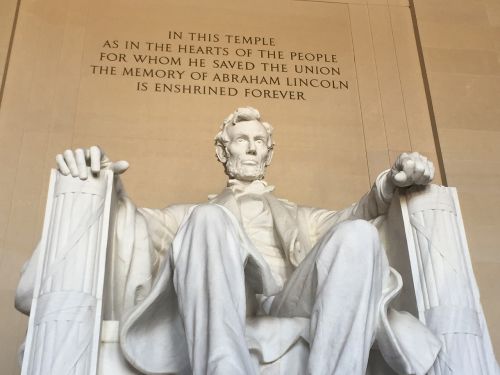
230	285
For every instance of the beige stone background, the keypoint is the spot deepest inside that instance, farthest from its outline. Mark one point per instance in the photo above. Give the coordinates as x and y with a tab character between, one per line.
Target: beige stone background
409	67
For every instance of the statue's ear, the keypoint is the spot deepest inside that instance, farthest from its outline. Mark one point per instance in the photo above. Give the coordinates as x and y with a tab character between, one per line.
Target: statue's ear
220	151
269	157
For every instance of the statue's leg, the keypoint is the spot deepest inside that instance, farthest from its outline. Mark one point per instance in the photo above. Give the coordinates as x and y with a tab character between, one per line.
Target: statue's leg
339	286
210	284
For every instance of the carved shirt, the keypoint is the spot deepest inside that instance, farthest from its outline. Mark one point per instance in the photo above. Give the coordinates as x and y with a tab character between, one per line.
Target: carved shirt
257	220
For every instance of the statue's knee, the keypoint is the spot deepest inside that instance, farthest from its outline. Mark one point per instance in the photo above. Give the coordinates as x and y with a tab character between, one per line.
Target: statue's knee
363	227
359	236
358	229
216	233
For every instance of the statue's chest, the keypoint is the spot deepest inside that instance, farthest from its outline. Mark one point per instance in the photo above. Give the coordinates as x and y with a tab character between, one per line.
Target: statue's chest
257	220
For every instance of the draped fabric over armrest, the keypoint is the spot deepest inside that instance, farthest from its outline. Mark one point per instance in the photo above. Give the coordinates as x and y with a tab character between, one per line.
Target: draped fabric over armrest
426	242
65	278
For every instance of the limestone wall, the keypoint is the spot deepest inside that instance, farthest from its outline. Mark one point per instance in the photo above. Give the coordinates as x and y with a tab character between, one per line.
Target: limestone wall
461	46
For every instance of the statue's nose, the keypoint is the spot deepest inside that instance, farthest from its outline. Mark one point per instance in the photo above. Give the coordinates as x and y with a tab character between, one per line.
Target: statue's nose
251	148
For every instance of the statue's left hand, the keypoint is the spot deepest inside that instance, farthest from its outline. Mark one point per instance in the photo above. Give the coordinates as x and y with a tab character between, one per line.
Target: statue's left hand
411	169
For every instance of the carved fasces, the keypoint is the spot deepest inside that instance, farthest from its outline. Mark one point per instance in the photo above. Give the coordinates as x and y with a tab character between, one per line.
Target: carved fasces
63	331
445	287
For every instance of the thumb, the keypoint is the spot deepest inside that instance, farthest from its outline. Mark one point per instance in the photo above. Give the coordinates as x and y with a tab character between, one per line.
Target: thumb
119	167
400	177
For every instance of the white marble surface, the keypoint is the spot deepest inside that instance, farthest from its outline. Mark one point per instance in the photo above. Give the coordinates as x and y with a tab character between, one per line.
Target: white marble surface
62	286
196	286
446	291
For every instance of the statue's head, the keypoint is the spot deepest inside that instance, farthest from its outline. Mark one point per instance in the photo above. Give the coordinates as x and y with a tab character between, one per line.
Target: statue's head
244	145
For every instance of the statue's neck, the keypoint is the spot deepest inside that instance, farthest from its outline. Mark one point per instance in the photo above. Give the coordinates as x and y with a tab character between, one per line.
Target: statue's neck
236	181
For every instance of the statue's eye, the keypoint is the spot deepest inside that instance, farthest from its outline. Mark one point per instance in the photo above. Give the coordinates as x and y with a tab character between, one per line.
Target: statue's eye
240	140
259	141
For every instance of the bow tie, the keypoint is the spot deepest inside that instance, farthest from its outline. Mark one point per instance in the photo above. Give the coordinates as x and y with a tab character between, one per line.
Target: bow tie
256	187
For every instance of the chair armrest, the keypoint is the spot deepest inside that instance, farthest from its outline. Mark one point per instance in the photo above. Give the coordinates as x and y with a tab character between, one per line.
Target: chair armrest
445	292
65	316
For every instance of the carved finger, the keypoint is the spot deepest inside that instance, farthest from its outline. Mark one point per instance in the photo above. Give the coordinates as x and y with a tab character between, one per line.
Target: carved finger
119	167
409	167
95	159
400	178
61	165
105	161
81	164
423	160
418	172
400	161
69	157
87	155
427	174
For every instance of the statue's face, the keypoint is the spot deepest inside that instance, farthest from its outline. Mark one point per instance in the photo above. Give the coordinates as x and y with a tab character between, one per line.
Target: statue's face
247	150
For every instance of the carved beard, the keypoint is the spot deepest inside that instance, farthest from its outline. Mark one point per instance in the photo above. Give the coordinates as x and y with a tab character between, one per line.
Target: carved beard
236	169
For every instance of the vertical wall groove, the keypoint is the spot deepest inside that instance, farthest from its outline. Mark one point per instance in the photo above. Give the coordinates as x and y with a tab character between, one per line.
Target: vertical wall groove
9	50
425	79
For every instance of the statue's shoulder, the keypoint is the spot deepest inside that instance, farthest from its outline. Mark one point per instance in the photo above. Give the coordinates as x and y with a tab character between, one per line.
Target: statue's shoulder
178	211
179	208
287	203
226	195
282	204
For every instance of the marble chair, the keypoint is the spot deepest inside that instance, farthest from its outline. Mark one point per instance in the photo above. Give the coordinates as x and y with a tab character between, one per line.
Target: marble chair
423	235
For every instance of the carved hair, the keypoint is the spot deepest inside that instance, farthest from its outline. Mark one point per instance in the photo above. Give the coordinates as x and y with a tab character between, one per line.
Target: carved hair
242	114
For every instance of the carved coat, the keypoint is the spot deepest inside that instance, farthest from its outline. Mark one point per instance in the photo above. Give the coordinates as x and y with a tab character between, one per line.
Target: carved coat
143	295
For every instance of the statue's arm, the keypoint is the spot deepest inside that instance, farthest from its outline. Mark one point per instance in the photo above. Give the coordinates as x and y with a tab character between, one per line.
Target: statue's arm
142	236
409	169
26	285
142	240
162	225
371	205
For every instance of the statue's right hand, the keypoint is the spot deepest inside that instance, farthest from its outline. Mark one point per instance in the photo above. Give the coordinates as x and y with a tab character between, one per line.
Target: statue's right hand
76	162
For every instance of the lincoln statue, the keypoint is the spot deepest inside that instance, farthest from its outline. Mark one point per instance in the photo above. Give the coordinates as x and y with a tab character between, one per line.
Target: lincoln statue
248	279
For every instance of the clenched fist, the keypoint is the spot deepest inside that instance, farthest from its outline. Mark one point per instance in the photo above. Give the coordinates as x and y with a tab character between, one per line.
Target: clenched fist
411	169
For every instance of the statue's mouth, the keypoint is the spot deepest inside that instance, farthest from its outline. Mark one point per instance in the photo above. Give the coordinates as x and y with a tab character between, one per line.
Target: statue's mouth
249	162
